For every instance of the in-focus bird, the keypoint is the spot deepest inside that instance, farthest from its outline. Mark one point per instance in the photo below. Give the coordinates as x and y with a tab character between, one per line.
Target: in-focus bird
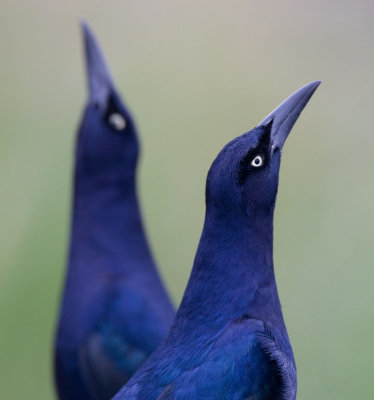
115	310
228	340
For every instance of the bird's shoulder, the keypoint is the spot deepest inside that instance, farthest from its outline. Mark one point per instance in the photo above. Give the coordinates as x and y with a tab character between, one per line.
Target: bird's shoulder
244	361
235	368
116	347
102	373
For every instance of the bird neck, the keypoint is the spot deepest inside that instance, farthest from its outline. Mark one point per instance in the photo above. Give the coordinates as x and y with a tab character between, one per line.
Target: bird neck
106	225
233	274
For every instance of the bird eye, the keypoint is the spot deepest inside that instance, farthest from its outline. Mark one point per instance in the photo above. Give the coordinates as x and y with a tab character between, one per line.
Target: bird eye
117	121
258	161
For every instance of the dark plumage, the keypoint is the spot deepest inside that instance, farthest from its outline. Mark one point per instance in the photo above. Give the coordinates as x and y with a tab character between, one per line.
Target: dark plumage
115	310
229	340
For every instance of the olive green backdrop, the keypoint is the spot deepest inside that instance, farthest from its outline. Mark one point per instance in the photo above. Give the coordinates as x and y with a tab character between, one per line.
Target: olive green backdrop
196	74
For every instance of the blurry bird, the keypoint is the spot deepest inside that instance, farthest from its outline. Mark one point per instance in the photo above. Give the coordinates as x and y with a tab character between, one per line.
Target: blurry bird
229	340
115	310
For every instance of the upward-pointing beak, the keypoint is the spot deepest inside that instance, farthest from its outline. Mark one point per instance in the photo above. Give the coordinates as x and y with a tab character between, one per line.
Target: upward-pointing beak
283	118
99	79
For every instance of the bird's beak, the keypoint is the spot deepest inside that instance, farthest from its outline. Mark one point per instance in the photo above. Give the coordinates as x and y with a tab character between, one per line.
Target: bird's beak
99	79
283	118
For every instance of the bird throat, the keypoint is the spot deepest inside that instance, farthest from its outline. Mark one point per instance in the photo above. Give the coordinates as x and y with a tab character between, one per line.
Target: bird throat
233	271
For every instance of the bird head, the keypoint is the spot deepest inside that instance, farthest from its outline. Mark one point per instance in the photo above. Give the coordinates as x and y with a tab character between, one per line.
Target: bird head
244	176
107	143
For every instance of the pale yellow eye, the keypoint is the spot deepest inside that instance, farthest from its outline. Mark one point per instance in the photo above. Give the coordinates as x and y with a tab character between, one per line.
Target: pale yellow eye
258	161
117	121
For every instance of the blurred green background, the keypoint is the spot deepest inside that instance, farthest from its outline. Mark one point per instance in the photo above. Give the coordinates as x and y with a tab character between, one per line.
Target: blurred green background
196	74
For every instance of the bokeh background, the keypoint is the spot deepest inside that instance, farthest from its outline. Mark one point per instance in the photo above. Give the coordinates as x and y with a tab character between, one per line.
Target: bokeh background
196	74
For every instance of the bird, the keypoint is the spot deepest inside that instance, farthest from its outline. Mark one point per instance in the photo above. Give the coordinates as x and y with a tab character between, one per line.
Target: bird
229	340
115	310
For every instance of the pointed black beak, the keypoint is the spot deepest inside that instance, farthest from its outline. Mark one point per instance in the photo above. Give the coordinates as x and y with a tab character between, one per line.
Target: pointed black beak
99	79
283	118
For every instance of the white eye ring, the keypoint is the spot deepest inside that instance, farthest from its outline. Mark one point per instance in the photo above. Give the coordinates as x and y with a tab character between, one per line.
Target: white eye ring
258	161
117	121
